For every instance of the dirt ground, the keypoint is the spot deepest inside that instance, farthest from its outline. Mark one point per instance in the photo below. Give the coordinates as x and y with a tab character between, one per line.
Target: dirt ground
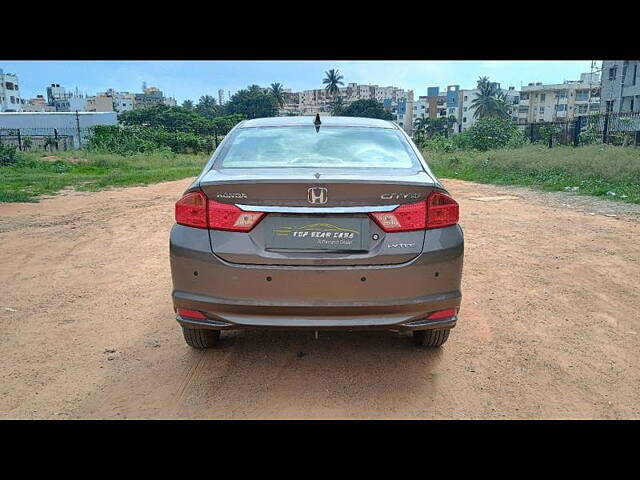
549	325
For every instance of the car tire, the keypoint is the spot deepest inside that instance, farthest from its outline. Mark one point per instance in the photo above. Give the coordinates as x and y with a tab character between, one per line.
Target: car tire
431	338
200	338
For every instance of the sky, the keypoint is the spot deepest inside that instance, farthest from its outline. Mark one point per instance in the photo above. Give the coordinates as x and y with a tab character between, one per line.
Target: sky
192	79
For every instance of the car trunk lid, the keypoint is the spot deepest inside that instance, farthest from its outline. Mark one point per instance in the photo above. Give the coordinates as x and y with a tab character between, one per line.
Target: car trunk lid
317	217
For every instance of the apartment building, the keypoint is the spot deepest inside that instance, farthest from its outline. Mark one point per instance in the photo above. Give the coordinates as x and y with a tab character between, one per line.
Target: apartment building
38	104
620	86
319	101
466	110
564	101
403	112
100	103
63	101
121	101
291	103
151	96
10	100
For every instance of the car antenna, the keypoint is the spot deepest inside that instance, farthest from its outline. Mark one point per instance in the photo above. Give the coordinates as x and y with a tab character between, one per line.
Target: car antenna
317	122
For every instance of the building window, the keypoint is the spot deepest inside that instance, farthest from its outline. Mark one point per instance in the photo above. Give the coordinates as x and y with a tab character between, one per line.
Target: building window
610	105
612	73
524	96
543	97
635	74
523	109
582	95
562	107
631	105
541	110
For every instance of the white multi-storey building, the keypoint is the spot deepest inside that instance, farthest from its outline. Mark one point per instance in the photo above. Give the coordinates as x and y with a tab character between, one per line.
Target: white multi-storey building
10	100
319	101
563	101
620	86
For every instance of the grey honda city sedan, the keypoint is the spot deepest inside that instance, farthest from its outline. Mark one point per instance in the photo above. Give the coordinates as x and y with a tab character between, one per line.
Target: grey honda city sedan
325	223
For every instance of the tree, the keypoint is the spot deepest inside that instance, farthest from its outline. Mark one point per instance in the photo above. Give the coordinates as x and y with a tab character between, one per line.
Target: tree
428	127
367	108
207	107
490	101
188	104
420	125
332	81
450	122
493	132
252	102
337	106
178	119
170	118
278	93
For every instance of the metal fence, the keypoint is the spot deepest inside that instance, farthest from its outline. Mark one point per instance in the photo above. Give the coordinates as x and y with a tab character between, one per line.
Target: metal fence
610	128
51	139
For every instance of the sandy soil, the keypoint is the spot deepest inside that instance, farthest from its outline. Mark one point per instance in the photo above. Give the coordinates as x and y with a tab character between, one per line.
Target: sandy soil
549	326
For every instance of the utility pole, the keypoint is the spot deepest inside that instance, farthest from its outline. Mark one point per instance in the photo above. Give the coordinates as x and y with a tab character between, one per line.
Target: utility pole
78	126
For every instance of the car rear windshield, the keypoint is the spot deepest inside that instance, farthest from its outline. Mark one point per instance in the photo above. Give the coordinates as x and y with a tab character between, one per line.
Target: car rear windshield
334	147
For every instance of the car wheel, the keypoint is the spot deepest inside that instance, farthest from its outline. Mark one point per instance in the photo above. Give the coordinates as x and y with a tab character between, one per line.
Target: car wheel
431	338
200	338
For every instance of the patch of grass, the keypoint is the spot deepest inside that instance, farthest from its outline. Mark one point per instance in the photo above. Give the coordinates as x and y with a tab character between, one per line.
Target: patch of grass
594	169
32	175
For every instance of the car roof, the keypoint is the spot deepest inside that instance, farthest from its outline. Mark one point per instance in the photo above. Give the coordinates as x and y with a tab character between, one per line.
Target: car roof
309	119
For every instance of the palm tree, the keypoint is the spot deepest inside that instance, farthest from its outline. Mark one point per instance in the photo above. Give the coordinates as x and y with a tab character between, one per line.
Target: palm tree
277	92
420	126
332	80
450	123
337	106
489	101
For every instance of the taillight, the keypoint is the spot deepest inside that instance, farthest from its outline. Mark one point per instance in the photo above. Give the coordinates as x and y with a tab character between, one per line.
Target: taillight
191	210
439	210
184	313
196	210
411	216
223	216
451	312
442	210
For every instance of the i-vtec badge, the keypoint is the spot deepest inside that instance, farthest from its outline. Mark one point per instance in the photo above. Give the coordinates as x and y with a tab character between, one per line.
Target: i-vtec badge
231	195
399	196
400	245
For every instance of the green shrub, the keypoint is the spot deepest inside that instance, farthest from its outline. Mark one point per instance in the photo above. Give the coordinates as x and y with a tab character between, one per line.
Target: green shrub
129	140
486	133
492	132
8	155
548	133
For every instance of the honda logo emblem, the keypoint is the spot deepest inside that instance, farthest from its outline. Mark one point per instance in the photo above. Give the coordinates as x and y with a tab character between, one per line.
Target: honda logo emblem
317	195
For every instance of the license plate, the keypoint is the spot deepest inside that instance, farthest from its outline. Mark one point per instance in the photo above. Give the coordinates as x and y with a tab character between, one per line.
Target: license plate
317	233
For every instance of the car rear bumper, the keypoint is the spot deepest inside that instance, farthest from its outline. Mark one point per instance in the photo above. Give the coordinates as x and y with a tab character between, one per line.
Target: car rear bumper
397	297
223	315
319	323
